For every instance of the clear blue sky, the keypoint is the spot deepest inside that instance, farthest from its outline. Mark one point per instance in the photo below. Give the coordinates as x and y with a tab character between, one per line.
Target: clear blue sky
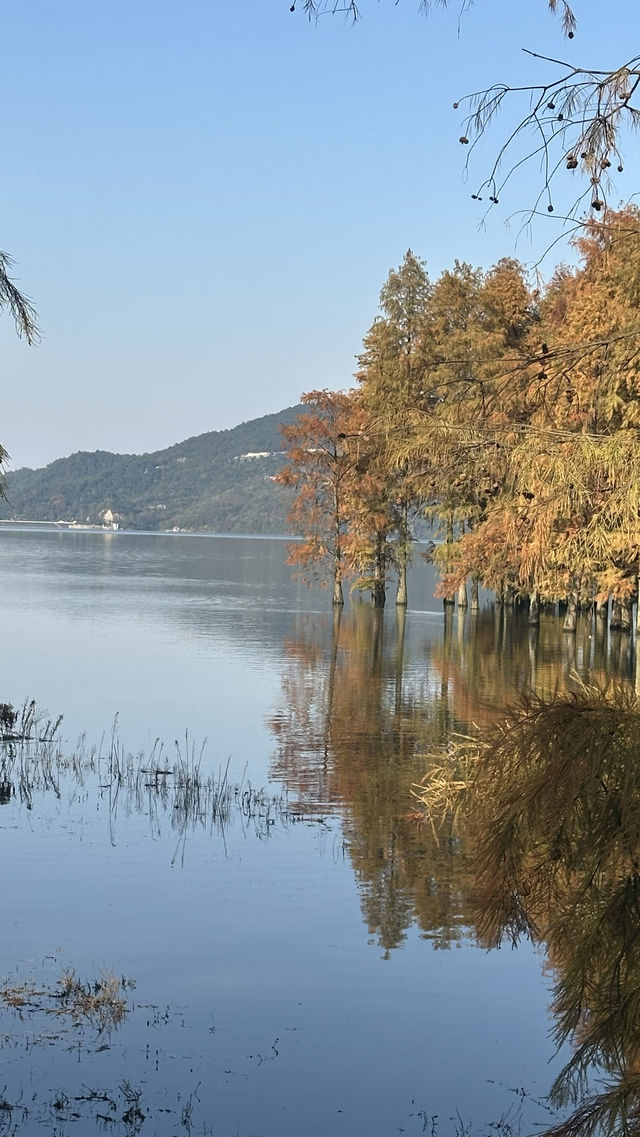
203	198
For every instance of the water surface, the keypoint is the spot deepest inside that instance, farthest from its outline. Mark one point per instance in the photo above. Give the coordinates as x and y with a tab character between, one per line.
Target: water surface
315	972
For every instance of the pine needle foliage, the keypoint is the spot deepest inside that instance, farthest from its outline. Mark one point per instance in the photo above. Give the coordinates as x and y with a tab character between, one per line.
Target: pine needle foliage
19	305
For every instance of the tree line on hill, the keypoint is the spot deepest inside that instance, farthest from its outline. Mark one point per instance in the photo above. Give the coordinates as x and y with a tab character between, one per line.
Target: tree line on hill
508	415
204	483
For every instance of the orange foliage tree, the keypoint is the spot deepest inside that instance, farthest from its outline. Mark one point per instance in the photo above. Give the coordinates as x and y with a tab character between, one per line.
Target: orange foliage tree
320	470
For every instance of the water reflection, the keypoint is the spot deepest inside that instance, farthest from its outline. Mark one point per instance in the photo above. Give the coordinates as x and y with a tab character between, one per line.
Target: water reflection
358	714
261	939
549	842
172	792
555	808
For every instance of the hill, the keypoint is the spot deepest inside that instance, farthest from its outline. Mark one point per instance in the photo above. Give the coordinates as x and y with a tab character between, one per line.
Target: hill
220	481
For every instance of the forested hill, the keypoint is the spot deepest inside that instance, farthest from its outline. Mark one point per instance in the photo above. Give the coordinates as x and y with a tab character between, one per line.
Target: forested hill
215	482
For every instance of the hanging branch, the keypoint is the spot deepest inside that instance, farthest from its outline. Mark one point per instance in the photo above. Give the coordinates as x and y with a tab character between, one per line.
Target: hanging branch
21	308
579	119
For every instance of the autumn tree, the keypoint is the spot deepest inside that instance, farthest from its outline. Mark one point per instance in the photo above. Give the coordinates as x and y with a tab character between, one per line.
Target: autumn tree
512	417
476	334
375	519
580	119
573	471
319	469
391	375
550	444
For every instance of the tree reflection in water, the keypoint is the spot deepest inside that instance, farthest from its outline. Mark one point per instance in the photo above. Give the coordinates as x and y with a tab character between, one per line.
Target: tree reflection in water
352	737
546	842
553	802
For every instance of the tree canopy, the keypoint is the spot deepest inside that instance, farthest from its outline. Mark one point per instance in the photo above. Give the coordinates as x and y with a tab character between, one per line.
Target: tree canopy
509	416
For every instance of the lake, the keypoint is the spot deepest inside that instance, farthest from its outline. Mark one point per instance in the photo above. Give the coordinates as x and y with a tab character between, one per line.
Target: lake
300	955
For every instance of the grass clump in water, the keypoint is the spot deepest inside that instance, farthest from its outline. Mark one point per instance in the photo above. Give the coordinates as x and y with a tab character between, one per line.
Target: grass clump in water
100	1003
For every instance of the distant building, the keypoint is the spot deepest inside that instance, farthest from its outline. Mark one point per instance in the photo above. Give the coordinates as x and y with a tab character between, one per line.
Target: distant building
110	520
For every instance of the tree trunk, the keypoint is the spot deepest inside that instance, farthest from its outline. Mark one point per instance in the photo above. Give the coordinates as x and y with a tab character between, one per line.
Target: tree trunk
449	602
615	622
602	608
379	591
621	611
402	557
571	615
379	594
401	592
475	589
585	593
534	609
338	597
462	595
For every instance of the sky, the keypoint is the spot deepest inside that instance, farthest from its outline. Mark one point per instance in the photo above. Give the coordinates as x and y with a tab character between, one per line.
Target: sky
203	199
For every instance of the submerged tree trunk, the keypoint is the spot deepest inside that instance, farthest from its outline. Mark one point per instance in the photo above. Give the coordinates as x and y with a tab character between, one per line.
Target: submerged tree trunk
379	594
602	608
402	557
449	602
475	590
534	609
462	595
625	614
338	597
616	621
401	591
571	615
379	591
586	594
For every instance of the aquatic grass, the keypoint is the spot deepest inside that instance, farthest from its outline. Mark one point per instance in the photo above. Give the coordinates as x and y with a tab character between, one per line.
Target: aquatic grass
29	753
122	1109
173	788
181	789
100	1003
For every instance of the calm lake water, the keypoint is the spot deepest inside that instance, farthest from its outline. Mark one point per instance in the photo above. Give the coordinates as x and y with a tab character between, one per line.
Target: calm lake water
306	963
